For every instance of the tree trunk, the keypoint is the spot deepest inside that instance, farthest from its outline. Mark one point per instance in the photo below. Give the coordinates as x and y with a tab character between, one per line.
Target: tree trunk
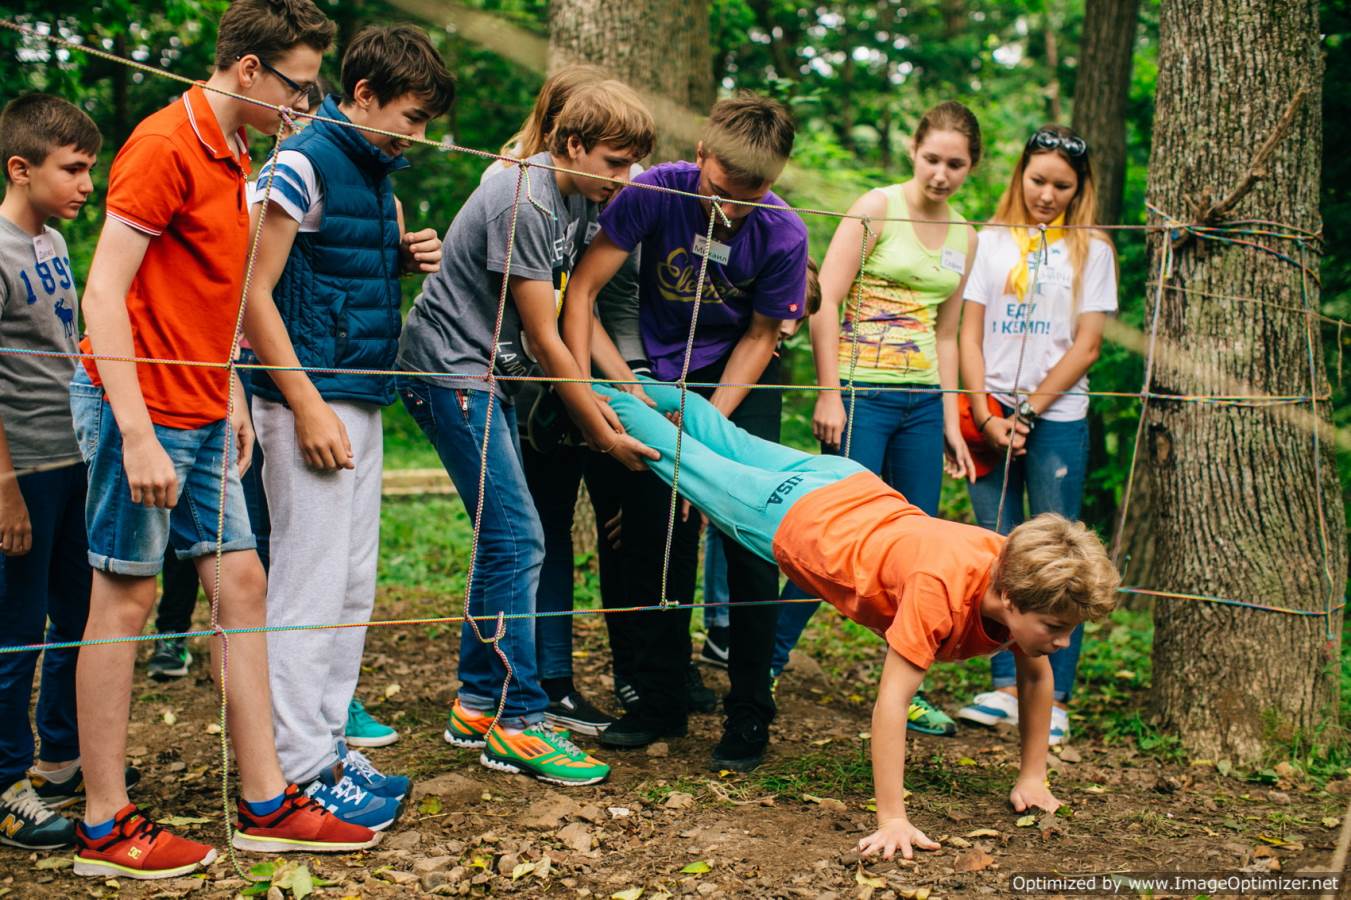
1238	489
1100	95
660	47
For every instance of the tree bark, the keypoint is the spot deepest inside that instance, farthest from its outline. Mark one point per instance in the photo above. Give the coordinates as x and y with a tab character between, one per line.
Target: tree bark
660	47
1100	94
1238	489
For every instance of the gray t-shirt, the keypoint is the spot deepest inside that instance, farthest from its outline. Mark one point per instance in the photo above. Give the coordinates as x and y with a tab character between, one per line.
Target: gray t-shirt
450	328
38	311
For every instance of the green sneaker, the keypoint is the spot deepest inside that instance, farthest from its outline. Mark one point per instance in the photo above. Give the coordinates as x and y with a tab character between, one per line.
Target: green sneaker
925	718
364	731
543	754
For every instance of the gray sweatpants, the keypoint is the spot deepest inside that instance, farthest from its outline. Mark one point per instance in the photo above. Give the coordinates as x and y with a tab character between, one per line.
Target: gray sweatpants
325	543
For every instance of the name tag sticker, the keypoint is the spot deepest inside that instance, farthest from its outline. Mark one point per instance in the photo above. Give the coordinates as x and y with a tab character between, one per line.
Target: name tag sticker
720	252
953	260
43	248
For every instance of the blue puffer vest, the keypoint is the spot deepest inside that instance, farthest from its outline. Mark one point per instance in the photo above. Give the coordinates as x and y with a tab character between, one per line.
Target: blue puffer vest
339	294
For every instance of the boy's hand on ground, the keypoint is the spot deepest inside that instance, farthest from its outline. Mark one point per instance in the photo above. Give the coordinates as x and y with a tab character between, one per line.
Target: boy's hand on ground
632	452
828	419
893	835
323	438
16	530
421	251
150	473
1032	792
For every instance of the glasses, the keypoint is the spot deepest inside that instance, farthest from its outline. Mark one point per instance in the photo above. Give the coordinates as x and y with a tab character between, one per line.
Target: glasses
1049	140
301	90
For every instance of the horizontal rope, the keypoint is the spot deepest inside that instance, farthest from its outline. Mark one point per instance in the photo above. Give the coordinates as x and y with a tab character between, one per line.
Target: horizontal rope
1244	604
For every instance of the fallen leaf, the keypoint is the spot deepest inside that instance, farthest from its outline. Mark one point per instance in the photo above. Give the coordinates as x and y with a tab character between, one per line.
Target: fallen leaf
966	761
982	832
973	860
180	821
55	862
956	841
630	894
169	717
1331	821
1273	841
521	870
1096	789
867	880
298	881
430	805
822	742
212	728
1070	755
698	867
923	893
678	800
1026	821
1224	767
391	690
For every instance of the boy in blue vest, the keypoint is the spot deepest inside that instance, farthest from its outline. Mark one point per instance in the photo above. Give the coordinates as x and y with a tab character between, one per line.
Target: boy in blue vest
325	294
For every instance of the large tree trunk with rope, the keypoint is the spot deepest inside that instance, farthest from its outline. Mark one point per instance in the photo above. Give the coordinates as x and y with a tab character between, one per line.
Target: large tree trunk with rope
1245	501
660	47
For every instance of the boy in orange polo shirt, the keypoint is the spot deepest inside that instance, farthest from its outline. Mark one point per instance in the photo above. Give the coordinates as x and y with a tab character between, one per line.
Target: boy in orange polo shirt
166	283
933	589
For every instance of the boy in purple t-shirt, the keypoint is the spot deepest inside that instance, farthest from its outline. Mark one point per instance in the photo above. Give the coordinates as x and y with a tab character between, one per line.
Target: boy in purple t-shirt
757	264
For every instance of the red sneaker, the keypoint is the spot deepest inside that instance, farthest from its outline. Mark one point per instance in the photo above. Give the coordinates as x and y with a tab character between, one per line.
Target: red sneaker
300	824
138	848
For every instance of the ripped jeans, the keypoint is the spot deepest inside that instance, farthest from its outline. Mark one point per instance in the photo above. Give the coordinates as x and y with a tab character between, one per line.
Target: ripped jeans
1050	477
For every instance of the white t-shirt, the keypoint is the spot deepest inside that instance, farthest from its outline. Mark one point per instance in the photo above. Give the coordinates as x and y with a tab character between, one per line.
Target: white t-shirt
296	189
1045	316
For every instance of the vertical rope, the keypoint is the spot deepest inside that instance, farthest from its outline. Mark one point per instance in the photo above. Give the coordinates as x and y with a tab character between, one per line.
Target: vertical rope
868	237
1311	339
715	212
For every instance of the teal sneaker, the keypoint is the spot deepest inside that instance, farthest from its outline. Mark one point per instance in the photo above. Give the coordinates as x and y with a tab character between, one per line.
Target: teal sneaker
364	731
925	718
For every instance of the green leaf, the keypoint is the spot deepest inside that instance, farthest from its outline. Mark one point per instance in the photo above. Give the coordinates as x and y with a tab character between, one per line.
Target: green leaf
698	867
430	805
256	889
263	870
298	881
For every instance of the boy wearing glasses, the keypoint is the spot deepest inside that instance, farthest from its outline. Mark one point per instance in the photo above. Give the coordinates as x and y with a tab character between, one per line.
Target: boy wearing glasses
325	294
165	284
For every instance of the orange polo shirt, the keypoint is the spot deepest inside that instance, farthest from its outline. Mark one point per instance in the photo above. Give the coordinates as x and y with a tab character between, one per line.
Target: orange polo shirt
178	181
915	580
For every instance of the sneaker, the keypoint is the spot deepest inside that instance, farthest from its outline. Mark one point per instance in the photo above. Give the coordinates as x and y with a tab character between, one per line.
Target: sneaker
340	794
575	713
466	729
363	730
925	718
138	848
625	694
356	766
716	647
744	741
701	699
300	824
1060	726
638	729
60	794
991	708
170	660
543	754
26	822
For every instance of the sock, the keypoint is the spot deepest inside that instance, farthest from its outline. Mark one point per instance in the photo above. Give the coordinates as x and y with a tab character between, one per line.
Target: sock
557	688
65	773
101	830
265	807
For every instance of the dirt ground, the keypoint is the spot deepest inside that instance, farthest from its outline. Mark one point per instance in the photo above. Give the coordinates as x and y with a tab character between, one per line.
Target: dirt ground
666	825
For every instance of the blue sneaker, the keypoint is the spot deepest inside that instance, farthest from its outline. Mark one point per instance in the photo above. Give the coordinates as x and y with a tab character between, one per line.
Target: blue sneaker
351	802
357	767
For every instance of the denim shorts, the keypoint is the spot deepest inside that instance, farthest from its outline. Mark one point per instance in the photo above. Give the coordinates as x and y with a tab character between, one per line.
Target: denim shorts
128	538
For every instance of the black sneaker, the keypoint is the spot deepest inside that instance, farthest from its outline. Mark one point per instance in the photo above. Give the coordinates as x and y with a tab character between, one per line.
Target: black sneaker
743	744
716	647
626	695
171	659
576	714
701	699
638	729
27	822
60	794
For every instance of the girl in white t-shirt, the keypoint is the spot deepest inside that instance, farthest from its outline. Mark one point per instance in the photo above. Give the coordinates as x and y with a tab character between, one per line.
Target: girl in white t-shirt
1031	327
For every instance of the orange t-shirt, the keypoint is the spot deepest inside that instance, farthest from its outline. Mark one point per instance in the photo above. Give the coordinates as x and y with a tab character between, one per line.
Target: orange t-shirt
915	580
177	180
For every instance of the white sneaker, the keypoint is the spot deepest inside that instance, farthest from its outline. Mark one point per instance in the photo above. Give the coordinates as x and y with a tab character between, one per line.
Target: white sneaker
992	708
1060	726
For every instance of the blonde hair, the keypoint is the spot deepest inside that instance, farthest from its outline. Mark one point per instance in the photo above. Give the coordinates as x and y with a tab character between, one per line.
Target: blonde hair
1012	208
607	112
1054	566
750	136
534	134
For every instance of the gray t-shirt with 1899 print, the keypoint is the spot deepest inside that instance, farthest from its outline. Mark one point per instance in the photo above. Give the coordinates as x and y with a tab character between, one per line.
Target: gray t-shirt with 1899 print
38	311
450	329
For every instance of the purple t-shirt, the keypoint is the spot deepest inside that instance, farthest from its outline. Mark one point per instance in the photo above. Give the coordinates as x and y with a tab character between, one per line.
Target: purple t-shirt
765	271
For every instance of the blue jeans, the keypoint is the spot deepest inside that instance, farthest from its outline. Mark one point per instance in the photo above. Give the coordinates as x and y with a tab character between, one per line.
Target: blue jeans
899	436
128	538
51	581
510	549
1051	475
715	581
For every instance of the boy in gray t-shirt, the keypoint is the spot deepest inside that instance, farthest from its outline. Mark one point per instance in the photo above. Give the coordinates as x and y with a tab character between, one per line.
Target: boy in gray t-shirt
446	347
48	148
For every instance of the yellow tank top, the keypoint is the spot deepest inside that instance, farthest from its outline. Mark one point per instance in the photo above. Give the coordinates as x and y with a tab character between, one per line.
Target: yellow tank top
902	283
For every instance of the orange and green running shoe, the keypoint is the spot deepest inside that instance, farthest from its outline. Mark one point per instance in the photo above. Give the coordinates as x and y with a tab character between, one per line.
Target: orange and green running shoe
543	754
465	728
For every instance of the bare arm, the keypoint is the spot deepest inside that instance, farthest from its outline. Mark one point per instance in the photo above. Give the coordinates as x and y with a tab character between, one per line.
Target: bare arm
16	529
957	458
998	431
746	363
598	265
1036	687
900	680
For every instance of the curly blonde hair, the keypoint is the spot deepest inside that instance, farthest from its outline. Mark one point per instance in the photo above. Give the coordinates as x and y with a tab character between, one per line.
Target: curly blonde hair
1054	566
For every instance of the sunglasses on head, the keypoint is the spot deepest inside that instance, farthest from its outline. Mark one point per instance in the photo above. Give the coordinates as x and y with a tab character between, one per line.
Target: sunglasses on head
1050	140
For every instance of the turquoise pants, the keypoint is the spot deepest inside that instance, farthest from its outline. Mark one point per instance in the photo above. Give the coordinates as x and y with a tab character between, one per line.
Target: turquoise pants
743	484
